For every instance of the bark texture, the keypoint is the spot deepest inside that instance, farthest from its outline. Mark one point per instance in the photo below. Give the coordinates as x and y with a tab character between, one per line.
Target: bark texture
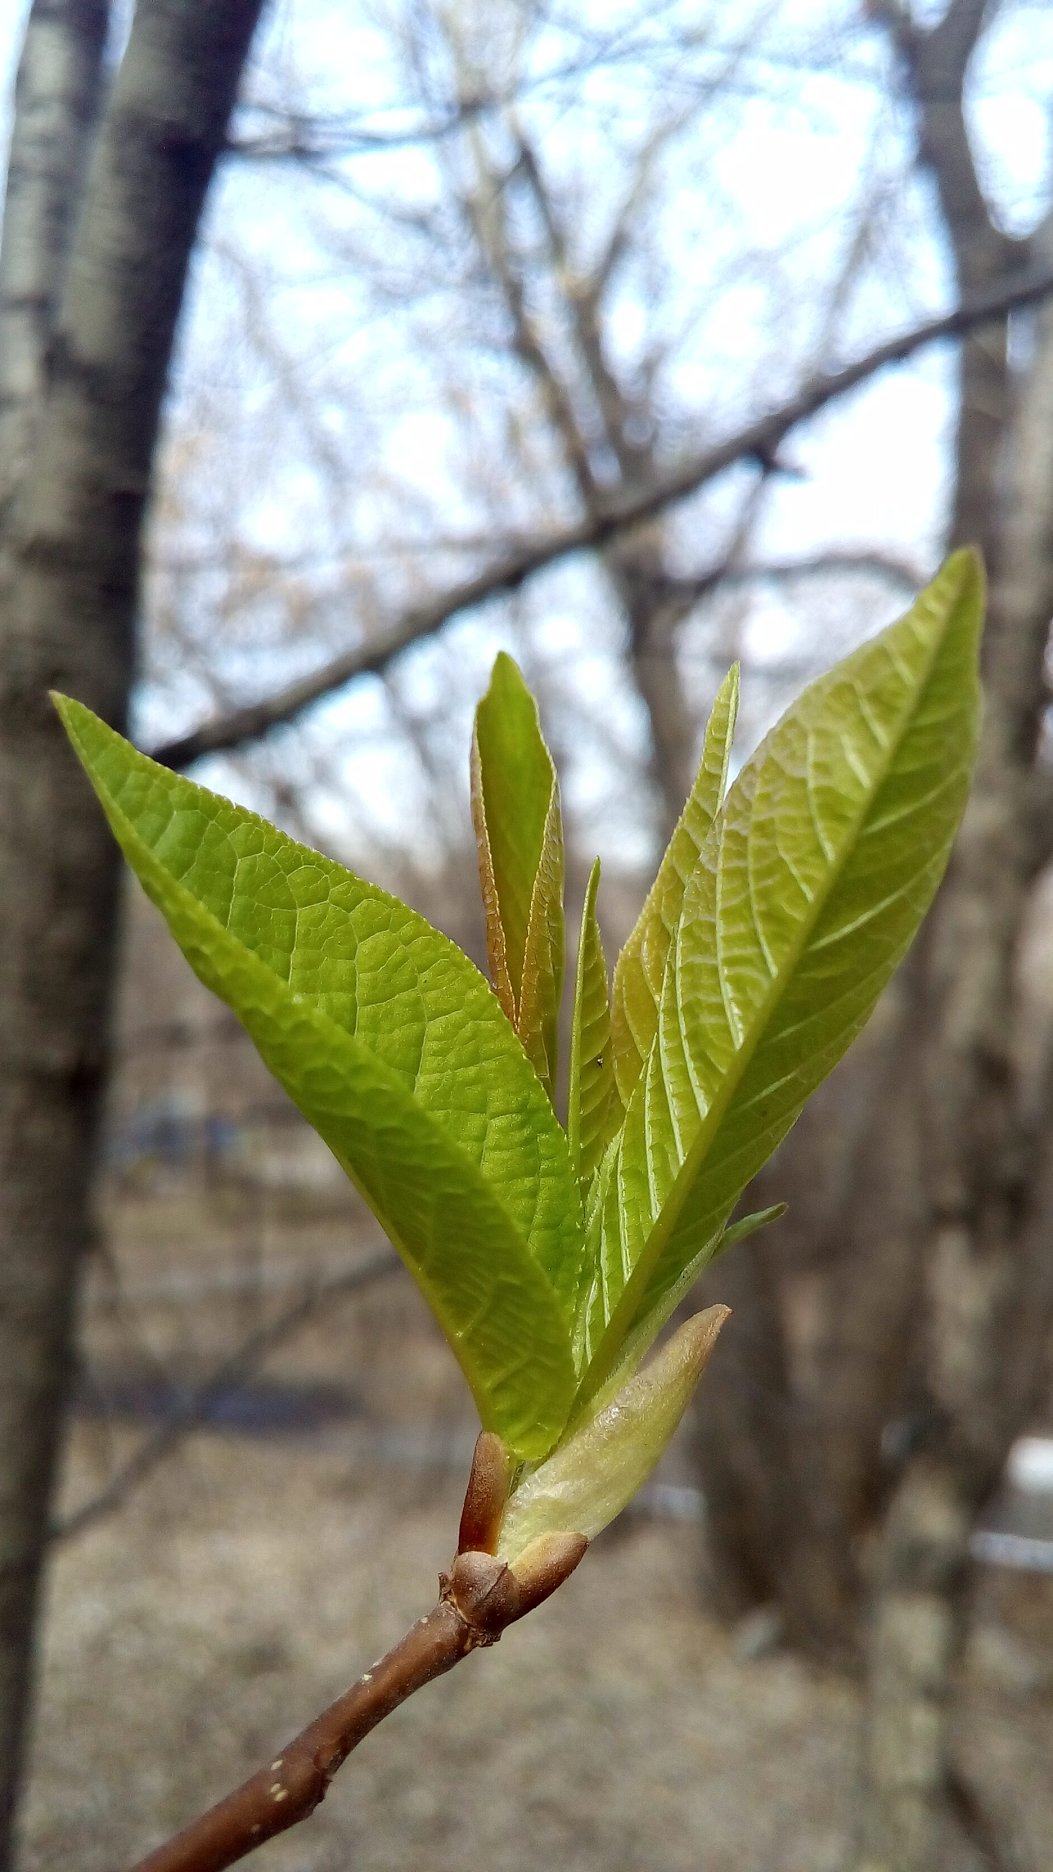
987	1295
59	83
93	318
986	1300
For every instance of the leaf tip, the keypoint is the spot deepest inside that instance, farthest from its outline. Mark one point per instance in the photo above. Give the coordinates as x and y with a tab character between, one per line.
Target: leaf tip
506	673
64	706
732	682
967	564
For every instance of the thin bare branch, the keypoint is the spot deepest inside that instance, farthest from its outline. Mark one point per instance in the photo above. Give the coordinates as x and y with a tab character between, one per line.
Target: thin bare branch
290	1788
193	1407
758	440
478	1598
935	63
933	66
837	561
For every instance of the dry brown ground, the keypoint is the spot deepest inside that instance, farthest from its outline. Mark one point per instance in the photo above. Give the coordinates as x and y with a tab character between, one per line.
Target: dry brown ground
617	1729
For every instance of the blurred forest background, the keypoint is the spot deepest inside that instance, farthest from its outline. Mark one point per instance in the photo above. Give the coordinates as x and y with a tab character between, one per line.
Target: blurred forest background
635	340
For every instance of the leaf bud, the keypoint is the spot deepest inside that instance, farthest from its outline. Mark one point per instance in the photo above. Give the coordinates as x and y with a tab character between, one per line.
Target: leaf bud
589	1478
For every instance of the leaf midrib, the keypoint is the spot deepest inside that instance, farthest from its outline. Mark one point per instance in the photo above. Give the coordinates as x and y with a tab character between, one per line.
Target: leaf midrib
628	1303
337	1037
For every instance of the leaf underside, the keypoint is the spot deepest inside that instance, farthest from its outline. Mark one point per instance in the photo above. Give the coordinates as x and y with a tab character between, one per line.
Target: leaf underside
394	1048
809	888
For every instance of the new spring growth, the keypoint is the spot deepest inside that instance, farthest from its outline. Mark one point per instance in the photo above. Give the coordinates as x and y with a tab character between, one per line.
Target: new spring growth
517	1543
596	1470
554	1236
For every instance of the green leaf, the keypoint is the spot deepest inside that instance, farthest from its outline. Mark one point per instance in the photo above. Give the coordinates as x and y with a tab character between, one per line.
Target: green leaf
395	1049
640	969
598	1467
748	1225
519	830
815	877
665	1296
591	1088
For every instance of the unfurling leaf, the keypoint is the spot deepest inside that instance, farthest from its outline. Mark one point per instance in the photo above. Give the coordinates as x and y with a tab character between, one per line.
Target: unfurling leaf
640	969
817	872
392	1045
599	1466
592	1090
519	832
778	914
748	1225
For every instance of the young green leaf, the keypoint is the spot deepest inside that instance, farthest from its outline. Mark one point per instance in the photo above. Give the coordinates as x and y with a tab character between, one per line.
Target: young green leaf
519	831
394	1048
748	1225
640	969
602	1462
591	1087
818	870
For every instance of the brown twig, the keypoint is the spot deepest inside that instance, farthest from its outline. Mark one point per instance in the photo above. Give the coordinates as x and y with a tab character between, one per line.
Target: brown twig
759	441
287	1791
478	1598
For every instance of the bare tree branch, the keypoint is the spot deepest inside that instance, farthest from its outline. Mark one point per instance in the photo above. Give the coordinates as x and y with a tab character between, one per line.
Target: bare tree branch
194	1406
758	440
934	64
478	1598
885	565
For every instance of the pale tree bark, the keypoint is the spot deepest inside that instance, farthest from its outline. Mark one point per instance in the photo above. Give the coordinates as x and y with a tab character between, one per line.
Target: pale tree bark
91	321
59	83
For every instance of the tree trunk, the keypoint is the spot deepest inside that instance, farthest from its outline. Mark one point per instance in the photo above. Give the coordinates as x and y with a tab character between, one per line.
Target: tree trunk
915	1642
754	1439
59	86
985	1310
68	590
988	1287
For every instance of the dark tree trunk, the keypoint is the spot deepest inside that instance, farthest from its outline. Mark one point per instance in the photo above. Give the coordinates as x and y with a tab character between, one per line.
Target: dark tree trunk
814	1381
98	330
